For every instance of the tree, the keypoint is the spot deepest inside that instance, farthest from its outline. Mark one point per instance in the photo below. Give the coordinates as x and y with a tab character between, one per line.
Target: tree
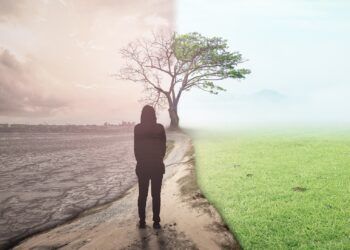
169	65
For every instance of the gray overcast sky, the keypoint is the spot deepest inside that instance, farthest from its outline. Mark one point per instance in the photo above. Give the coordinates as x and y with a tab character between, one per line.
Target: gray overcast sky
298	52
57	57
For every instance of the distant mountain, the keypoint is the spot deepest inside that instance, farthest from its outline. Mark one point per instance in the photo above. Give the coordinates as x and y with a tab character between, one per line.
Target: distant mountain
268	95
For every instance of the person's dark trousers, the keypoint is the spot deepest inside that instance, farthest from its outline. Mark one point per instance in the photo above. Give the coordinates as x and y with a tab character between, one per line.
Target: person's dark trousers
156	184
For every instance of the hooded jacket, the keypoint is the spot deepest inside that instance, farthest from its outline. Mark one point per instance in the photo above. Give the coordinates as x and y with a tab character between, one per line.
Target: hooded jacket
149	144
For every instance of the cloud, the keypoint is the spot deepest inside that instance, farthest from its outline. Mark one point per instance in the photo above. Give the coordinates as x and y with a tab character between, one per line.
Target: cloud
22	90
17	9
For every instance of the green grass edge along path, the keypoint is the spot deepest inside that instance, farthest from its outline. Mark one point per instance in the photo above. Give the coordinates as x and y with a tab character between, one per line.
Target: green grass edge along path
279	189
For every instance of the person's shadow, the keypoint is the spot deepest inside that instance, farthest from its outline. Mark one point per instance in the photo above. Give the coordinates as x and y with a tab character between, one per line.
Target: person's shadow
152	240
144	238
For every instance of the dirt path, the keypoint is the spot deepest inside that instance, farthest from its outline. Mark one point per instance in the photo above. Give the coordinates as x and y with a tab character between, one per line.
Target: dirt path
188	220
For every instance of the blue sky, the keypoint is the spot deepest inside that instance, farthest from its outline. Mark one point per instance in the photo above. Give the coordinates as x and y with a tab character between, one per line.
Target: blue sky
297	50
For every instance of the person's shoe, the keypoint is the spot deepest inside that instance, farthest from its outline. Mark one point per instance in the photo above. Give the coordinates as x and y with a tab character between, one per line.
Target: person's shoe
142	224
156	225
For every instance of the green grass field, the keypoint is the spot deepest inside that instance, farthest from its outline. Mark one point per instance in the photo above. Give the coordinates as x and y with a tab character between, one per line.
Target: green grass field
282	189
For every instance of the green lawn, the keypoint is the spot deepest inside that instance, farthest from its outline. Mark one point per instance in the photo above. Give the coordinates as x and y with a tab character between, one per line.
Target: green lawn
282	189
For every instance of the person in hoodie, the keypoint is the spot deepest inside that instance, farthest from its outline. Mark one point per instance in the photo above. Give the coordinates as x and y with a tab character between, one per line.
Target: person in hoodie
149	149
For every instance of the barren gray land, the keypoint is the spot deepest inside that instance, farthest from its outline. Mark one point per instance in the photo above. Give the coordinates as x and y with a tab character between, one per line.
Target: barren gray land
48	178
189	221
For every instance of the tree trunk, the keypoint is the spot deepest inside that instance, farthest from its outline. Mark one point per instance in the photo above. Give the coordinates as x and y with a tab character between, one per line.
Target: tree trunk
174	118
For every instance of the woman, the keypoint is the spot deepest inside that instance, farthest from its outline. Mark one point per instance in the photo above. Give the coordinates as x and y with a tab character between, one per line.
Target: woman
149	149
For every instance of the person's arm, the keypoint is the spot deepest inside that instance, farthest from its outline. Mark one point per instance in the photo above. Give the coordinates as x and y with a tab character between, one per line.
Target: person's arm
163	141
136	143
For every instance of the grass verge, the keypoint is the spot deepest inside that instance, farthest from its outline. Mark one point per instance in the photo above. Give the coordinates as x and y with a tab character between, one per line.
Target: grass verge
280	189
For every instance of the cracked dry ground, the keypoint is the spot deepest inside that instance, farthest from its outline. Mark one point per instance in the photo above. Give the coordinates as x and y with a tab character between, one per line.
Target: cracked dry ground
46	179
